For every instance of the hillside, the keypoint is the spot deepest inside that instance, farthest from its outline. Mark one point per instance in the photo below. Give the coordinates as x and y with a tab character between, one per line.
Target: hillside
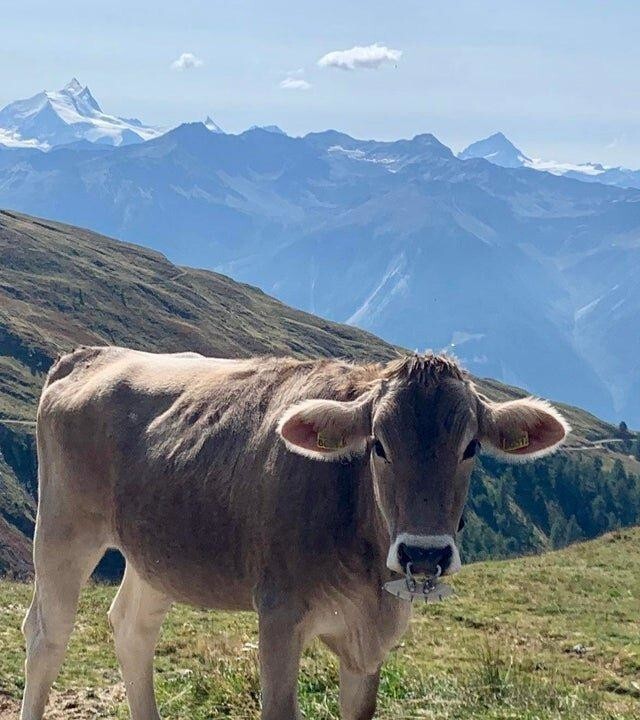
530	278
62	286
540	638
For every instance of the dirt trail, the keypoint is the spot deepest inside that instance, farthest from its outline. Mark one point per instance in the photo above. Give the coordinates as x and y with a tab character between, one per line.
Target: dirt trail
72	704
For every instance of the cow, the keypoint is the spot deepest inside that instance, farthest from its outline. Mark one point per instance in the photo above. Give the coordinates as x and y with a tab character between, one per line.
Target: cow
294	488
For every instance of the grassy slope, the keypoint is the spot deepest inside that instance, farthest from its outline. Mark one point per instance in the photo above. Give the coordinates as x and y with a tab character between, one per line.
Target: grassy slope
555	636
62	286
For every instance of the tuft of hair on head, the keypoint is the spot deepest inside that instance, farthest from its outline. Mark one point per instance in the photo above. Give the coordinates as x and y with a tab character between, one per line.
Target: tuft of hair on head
426	369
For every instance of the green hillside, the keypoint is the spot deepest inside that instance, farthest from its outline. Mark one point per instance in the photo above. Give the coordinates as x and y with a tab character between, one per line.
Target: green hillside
62	286
539	638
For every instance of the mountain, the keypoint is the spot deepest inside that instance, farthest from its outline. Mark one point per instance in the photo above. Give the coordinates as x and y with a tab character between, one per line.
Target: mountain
499	150
530	278
269	128
211	125
62	286
64	116
496	149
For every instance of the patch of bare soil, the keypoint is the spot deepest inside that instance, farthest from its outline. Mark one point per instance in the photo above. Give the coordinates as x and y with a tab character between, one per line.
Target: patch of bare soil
87	704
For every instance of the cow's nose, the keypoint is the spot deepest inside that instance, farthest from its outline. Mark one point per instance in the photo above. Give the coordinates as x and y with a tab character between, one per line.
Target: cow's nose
425	560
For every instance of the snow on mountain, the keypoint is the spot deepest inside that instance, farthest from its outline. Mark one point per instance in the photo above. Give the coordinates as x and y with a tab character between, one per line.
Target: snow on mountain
213	126
499	150
64	116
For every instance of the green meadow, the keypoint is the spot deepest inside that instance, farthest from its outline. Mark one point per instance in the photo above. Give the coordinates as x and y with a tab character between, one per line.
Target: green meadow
547	636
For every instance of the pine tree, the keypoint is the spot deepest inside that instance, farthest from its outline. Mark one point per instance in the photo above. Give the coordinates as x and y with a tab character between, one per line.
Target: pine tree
557	534
572	532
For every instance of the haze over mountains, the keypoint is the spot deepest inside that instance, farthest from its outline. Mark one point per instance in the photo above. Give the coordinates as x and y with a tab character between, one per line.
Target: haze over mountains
529	277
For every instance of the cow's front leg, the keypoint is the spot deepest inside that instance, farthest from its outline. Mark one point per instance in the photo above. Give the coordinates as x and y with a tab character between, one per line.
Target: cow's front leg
358	693
281	645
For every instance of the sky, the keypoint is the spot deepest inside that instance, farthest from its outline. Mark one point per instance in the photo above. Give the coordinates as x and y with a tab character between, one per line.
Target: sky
560	78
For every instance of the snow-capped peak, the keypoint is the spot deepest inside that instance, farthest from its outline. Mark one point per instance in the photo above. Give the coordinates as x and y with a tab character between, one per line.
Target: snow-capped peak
213	126
58	117
73	86
497	149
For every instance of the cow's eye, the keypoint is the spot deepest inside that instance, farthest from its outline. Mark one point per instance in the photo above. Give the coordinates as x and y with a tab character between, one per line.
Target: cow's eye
473	448
378	448
461	524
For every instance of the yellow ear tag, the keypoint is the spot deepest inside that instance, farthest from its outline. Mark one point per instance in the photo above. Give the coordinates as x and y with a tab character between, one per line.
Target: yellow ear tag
515	442
328	442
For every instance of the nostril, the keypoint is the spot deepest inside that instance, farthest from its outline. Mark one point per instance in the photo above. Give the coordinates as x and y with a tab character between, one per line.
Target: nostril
425	559
403	556
445	557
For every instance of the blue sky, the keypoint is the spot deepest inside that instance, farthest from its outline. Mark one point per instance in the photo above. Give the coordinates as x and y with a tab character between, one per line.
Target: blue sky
560	78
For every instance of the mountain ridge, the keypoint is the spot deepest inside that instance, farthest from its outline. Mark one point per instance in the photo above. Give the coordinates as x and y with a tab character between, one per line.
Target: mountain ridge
529	276
62	286
499	150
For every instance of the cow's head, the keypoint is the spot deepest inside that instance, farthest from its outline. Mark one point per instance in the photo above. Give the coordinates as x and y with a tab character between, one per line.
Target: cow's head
422	423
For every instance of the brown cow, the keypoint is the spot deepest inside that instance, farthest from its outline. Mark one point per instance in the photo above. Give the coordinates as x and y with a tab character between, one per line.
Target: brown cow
294	488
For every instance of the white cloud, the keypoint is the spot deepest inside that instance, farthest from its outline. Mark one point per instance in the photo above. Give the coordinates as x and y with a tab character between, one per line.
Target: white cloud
293	83
186	61
370	57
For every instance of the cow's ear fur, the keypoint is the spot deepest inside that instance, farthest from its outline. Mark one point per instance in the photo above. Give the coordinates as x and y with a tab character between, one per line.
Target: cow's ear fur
521	430
327	429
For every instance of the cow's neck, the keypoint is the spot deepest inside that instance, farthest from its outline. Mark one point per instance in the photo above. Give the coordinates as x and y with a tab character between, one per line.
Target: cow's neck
370	523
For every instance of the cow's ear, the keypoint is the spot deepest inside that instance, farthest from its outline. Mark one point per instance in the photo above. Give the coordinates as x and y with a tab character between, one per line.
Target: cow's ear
327	429
521	430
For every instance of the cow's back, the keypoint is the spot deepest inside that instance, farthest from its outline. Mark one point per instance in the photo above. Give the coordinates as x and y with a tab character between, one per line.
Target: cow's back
179	456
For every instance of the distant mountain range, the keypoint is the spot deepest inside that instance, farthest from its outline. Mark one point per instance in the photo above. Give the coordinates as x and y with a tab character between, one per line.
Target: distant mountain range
499	150
529	277
62	117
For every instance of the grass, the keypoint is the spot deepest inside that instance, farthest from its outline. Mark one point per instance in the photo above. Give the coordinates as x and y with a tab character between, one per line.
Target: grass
547	637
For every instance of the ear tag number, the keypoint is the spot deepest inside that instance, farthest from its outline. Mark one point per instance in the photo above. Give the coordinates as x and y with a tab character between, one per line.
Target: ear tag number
330	442
515	443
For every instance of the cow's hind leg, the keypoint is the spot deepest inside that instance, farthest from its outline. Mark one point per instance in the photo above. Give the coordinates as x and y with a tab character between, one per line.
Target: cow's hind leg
136	615
358	693
64	560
